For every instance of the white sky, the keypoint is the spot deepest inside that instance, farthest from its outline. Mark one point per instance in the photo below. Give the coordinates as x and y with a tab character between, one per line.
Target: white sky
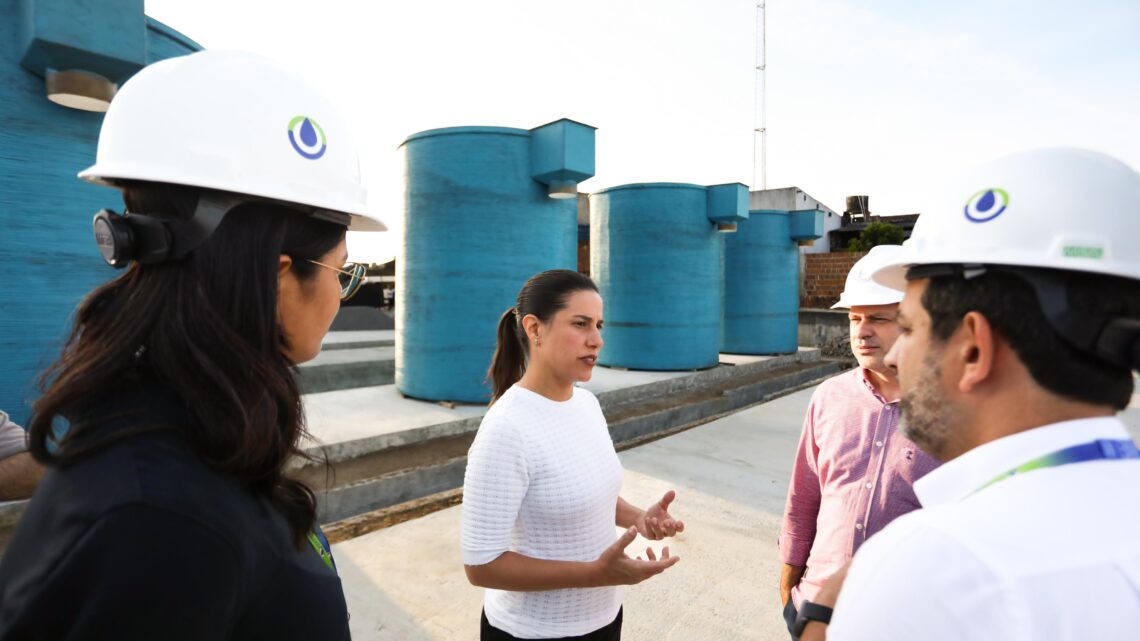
878	97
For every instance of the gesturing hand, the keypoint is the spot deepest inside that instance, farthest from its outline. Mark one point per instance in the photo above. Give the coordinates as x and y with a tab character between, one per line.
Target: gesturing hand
656	523
618	569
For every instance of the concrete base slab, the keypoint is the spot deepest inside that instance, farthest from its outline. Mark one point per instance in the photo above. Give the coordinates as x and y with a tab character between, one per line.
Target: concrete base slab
359	338
426	452
350	422
406	582
337	369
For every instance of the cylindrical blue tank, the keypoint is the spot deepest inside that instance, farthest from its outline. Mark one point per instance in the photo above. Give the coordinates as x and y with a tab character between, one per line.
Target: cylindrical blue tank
48	258
761	283
658	260
477	223
762	280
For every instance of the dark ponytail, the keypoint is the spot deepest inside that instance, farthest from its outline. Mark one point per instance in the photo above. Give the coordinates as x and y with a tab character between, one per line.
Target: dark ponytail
509	361
544	295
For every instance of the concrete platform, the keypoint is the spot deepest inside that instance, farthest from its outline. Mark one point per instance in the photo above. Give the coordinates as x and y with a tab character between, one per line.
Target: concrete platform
359	338
345	423
406	582
348	366
375	449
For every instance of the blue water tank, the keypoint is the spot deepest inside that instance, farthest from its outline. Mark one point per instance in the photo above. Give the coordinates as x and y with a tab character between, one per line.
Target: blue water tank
658	259
48	258
762	280
485	208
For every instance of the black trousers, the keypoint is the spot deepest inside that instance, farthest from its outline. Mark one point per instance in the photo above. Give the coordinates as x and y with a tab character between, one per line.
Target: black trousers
611	632
790	617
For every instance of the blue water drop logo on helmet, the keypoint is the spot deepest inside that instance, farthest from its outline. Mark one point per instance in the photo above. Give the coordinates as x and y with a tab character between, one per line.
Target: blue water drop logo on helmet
307	137
986	205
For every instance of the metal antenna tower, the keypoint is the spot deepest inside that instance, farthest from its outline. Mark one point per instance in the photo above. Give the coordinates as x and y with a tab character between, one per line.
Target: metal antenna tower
759	135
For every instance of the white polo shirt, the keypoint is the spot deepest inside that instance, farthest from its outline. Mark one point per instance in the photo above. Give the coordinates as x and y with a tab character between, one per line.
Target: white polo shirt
1053	553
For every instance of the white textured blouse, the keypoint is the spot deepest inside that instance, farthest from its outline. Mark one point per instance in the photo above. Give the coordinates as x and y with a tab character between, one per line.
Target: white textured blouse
543	481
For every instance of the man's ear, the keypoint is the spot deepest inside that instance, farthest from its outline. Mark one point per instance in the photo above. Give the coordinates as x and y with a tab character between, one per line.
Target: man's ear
976	351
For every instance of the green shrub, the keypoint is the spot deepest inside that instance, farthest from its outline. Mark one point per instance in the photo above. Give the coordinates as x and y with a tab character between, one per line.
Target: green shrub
876	234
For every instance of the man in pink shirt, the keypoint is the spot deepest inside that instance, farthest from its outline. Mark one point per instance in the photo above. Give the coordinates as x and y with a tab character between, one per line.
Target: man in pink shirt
853	471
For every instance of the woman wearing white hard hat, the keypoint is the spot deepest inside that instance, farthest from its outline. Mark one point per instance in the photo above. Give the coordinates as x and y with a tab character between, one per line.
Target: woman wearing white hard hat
170	415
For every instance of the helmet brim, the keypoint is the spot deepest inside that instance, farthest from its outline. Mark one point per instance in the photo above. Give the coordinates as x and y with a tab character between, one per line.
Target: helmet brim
112	176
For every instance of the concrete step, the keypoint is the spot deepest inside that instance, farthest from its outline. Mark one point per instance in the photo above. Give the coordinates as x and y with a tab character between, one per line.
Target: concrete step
355	339
378	455
634	423
384	477
347	368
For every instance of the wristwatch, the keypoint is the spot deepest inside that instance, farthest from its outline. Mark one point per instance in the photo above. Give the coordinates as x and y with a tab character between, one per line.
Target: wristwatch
810	612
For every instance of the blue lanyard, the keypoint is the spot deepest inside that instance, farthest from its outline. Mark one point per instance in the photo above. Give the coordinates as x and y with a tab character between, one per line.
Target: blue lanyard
1102	449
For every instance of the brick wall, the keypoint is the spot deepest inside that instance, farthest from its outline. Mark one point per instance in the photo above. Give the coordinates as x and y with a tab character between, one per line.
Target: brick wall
824	275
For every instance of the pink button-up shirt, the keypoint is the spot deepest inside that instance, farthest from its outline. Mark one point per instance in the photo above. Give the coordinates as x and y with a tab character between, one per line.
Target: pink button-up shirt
853	475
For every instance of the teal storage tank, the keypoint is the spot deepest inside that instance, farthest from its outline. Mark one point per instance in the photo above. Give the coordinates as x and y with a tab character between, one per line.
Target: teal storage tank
485	208
658	259
762	280
48	259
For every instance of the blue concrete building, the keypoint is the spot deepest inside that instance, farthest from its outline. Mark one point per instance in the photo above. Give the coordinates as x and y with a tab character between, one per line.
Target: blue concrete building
48	259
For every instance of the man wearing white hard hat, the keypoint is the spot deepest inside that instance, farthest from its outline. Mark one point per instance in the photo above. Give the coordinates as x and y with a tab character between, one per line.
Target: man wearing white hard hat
1021	328
853	471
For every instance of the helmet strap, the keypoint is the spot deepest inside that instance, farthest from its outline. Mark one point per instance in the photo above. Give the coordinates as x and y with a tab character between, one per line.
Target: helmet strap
186	235
1115	341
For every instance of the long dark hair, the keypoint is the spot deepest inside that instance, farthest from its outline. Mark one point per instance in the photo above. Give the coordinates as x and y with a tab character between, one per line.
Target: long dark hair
206	328
544	295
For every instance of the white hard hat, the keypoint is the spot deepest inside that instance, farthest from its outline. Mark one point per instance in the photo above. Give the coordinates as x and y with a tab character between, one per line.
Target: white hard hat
861	289
233	122
1067	209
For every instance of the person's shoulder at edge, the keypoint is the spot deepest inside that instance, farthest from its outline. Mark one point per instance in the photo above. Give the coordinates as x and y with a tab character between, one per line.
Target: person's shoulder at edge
586	396
898	580
503	420
845	380
157	469
837	386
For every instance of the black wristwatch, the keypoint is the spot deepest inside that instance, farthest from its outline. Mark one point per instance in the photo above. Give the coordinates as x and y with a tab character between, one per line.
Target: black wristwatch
810	612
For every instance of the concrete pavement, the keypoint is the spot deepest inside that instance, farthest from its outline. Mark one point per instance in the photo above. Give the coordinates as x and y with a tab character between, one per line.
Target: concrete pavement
406	582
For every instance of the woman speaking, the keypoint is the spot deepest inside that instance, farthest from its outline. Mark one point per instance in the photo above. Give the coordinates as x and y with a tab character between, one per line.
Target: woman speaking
541	494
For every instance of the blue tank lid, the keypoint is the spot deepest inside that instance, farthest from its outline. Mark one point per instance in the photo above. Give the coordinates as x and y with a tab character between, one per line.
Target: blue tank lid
651	186
450	131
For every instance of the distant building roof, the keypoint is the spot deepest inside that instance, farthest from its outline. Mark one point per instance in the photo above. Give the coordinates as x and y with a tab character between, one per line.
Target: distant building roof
841	236
906	221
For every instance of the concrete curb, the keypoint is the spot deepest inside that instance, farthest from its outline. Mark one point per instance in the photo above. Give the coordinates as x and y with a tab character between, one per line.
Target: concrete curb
687	403
348	367
628	433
